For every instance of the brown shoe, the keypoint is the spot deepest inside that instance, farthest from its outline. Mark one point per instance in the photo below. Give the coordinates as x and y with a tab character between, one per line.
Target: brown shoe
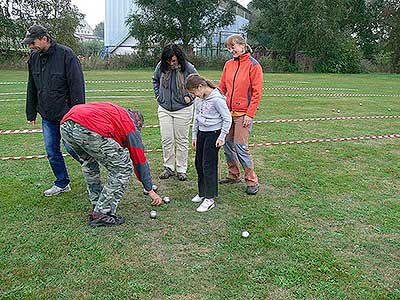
182	176
167	173
252	190
228	180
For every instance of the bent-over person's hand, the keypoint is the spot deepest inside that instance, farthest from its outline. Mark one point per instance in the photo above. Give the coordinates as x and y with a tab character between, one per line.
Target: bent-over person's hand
33	122
219	143
247	121
156	199
194	143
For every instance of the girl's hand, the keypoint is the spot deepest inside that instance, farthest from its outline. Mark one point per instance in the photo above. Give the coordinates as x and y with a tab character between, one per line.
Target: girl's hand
187	99
219	143
247	121
194	143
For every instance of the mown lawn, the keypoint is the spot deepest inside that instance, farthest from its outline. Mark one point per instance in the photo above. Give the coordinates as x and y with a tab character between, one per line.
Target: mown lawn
325	224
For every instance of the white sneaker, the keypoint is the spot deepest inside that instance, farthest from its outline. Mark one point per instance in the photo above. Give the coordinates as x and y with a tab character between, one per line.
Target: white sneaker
55	190
206	205
197	199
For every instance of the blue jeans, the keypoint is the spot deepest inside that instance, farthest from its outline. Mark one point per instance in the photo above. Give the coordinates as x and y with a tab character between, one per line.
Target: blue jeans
52	142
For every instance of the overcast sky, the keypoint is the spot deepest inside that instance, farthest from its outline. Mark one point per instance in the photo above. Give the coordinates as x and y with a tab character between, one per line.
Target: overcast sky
94	9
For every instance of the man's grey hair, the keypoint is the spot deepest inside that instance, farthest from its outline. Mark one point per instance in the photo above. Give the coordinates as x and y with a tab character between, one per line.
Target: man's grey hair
139	117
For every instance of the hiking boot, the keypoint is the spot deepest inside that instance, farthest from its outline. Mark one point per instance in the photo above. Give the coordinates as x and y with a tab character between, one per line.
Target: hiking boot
167	173
55	190
181	176
197	199
228	180
206	205
99	219
252	190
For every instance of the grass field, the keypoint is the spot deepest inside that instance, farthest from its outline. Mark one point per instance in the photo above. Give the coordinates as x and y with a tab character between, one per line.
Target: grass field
325	224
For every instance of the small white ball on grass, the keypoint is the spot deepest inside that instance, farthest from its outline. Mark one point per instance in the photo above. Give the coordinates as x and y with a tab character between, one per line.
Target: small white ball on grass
166	200
153	214
245	234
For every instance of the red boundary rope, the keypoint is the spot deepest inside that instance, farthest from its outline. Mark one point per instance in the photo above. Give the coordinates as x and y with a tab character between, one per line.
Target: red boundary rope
357	138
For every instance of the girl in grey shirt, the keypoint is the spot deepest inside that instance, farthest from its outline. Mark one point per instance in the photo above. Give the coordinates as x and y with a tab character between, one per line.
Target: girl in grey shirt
212	121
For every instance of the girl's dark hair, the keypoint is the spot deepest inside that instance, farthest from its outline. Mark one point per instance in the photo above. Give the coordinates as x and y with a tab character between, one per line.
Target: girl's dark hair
194	80
168	52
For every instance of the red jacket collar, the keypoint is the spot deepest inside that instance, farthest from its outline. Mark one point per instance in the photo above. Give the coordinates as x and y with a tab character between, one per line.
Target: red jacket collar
242	57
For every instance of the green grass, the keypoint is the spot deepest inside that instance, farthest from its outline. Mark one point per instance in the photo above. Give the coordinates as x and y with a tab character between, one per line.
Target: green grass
325	224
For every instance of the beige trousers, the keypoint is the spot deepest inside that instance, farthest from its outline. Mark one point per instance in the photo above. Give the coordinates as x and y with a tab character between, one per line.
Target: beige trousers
174	129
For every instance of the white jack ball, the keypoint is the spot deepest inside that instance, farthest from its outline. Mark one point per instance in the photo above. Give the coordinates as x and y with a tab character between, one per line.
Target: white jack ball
245	234
153	214
166	200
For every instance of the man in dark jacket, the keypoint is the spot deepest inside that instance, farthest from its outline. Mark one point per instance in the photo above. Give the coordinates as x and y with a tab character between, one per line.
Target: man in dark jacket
55	84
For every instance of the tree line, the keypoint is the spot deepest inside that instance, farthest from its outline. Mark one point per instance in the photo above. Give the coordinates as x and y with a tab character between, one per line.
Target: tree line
336	35
59	16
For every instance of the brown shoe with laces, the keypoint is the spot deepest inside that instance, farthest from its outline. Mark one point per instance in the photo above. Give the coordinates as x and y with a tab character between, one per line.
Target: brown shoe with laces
182	176
228	180
167	173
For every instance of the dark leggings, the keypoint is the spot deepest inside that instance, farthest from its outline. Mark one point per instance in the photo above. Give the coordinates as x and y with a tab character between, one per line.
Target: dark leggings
207	163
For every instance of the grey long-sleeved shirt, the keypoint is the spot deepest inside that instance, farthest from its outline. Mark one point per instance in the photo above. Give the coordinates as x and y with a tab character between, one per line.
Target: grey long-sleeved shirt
212	114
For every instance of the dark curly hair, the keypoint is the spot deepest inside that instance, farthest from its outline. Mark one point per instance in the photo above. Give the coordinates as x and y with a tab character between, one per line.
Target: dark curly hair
168	52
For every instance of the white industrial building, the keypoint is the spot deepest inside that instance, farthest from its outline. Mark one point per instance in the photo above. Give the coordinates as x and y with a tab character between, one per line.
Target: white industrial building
117	40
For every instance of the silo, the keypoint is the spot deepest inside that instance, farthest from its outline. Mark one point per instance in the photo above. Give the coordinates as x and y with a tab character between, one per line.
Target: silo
115	29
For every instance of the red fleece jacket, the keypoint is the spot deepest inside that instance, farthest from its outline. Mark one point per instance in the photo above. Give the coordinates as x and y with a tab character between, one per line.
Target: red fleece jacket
242	82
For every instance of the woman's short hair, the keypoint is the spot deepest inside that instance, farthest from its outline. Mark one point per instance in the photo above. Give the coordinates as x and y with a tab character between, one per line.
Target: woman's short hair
237	39
168	52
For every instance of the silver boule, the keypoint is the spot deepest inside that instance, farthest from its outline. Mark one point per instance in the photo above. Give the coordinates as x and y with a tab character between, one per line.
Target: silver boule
153	214
245	234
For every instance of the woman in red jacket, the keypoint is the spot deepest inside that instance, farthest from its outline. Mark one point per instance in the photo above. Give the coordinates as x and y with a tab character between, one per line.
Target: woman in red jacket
241	82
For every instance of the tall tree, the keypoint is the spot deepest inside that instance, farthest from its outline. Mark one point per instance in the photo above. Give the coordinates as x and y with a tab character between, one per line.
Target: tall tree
319	28
185	21
391	29
60	17
99	30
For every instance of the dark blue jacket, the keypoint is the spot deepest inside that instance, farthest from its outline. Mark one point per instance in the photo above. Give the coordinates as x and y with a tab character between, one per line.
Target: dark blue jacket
55	83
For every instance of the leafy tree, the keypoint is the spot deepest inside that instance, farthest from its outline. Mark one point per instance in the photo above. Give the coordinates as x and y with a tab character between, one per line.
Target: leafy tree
90	48
379	32
186	21
318	28
391	30
99	30
60	17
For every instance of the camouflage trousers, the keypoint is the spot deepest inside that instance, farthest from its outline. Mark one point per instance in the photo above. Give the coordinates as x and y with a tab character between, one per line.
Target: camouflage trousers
94	149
